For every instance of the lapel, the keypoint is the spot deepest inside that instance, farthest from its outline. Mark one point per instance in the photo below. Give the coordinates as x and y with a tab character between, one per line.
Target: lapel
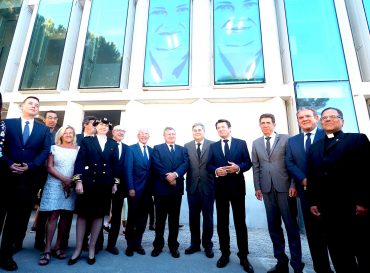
277	138
97	146
204	149
301	144
140	154
233	148
337	139
18	127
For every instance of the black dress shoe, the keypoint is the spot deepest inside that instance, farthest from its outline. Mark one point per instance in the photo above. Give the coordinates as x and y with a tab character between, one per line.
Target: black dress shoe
113	250
175	253
246	265
156	252
91	261
140	250
73	261
223	261
279	268
9	265
209	253
191	250
129	252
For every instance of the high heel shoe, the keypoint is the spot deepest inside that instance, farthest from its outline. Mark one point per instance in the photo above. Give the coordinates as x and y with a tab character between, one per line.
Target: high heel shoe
73	261
91	261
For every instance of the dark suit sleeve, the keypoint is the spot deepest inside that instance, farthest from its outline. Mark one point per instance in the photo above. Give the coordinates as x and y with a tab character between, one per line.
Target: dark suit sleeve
80	160
129	165
42	156
211	163
291	165
183	167
362	192
246	162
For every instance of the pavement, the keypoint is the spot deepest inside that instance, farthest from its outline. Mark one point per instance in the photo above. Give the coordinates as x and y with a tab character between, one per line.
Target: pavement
260	247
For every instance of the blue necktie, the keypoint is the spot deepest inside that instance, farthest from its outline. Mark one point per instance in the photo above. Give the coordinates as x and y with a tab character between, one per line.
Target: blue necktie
227	149
172	151
199	152
308	142
26	132
145	155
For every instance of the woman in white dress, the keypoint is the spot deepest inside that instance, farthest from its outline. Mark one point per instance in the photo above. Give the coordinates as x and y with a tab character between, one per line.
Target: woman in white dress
58	195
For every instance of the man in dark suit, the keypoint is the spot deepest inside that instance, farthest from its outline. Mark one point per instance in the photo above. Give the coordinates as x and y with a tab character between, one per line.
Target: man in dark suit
201	192
137	174
118	133
274	185
169	163
228	160
296	163
27	145
339	191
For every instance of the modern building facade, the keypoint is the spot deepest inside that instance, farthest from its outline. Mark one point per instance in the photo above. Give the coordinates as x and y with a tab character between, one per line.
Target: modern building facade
157	63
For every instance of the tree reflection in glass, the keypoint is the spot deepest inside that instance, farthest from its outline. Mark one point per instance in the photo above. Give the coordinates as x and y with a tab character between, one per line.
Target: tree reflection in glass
167	44
237	42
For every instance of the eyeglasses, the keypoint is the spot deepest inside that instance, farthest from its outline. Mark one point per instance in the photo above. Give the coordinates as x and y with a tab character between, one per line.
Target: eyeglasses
331	117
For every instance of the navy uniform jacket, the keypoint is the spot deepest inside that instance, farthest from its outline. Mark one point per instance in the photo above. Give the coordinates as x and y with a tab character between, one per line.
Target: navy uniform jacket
97	166
162	163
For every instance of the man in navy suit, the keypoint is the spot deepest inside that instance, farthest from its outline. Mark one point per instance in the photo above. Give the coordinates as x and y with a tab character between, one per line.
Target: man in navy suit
228	160
137	174
118	133
296	162
169	163
27	145
339	191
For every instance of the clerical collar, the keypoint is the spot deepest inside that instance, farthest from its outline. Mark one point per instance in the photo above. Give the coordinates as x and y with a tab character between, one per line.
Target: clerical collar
331	135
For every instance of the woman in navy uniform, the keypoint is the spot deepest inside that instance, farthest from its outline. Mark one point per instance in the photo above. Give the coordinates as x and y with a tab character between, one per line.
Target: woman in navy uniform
95	175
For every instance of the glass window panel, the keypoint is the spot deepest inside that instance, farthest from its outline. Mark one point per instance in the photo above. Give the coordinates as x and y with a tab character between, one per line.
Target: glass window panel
45	53
320	95
9	13
102	61
167	43
366	4
315	43
237	44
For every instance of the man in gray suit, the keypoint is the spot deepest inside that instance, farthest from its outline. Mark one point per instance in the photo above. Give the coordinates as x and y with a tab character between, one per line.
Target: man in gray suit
273	184
201	192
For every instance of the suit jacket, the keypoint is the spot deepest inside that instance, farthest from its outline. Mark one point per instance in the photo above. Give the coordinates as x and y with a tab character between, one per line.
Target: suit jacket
198	179
97	166
337	174
296	157
163	162
231	184
34	152
270	169
137	170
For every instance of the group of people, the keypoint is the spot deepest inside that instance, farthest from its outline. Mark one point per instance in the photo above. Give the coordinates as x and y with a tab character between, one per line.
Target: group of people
90	174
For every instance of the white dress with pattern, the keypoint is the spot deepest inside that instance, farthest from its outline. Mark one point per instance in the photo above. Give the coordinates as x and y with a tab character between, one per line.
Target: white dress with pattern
53	197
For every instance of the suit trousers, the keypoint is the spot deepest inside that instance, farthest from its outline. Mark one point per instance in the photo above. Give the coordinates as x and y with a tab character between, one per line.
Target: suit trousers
20	202
279	206
136	219
167	205
115	223
201	204
223	210
316	238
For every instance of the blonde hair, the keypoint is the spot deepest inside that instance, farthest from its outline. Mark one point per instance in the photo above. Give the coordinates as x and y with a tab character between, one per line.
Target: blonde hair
61	131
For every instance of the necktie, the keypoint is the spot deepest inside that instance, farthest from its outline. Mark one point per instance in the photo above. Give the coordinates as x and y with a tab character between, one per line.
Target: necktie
26	132
227	149
268	145
145	154
119	150
308	142
198	150
172	151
